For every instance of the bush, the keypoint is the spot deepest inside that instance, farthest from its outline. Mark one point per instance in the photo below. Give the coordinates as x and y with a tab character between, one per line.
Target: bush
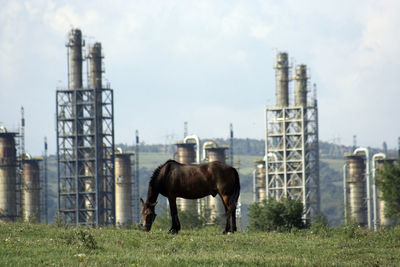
273	215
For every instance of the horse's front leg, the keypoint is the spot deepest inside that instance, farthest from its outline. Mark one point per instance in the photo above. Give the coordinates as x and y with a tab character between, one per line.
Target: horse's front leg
176	226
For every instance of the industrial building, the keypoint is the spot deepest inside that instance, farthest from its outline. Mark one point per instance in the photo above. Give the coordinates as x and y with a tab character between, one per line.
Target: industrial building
362	198
85	140
291	141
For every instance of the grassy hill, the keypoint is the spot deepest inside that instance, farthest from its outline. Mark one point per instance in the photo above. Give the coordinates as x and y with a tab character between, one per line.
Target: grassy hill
24	244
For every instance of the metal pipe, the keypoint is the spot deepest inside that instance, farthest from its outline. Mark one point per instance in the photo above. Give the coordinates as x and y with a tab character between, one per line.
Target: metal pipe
345	192
197	139
375	157
367	174
208	143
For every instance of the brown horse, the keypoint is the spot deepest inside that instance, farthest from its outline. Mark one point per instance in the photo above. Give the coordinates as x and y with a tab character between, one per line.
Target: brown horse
173	180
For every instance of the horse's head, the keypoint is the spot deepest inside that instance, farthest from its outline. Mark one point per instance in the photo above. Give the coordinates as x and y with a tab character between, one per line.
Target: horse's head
148	215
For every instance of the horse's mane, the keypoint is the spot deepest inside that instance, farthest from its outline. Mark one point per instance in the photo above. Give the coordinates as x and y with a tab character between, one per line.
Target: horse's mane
157	170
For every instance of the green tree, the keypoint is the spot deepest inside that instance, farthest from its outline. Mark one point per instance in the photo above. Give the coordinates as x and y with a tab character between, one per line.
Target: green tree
388	182
273	215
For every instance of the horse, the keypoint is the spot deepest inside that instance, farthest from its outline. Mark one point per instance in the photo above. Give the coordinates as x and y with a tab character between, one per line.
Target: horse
191	181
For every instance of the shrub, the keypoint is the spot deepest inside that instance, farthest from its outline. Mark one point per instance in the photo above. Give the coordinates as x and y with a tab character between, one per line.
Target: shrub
273	215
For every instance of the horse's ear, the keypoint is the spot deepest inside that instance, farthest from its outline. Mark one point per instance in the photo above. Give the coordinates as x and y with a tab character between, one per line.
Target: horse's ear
141	201
153	204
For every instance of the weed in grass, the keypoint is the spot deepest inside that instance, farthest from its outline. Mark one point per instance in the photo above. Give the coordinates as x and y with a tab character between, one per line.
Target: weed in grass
86	239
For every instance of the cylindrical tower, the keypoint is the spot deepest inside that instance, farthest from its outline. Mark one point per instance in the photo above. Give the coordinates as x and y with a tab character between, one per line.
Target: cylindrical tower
384	221
8	176
356	189
260	181
301	86
282	79
215	204
95	66
75	58
123	189
186	155
31	190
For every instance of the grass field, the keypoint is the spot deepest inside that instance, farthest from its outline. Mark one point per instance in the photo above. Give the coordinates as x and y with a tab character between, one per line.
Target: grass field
23	244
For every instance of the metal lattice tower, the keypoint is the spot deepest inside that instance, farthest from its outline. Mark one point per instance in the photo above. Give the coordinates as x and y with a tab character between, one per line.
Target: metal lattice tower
85	142
292	161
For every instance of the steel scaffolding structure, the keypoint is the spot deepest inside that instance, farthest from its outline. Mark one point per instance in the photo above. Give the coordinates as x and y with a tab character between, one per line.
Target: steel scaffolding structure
292	136
291	141
85	156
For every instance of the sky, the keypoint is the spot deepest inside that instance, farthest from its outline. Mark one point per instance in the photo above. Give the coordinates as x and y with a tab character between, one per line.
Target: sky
209	63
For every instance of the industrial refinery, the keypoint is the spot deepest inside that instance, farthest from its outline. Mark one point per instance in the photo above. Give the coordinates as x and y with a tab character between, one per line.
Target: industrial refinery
291	142
98	184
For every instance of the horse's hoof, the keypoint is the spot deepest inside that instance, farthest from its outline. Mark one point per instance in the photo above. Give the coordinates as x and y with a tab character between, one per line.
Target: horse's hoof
172	232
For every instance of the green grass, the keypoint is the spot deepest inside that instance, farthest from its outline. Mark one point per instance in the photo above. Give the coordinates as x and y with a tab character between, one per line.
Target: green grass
24	244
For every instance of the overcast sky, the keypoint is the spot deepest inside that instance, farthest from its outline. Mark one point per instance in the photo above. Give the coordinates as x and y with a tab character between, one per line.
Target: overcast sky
208	63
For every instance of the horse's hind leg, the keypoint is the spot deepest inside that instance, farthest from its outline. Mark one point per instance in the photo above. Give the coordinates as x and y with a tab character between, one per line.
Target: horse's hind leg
228	225
176	226
230	214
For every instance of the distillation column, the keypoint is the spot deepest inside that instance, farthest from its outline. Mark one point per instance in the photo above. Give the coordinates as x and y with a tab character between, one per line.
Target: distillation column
301	86
85	140
186	155
31	190
96	154
75	71
282	79
292	165
383	221
123	189
356	189
8	176
216	153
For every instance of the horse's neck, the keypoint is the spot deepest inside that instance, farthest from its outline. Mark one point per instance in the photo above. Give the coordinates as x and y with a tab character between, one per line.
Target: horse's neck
152	194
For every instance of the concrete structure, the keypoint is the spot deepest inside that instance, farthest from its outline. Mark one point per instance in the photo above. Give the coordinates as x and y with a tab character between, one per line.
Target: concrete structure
31	189
8	176
356	207
292	170
85	141
123	188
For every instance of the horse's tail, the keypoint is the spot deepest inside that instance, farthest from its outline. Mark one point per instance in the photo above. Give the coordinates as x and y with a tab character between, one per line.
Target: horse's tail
236	190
